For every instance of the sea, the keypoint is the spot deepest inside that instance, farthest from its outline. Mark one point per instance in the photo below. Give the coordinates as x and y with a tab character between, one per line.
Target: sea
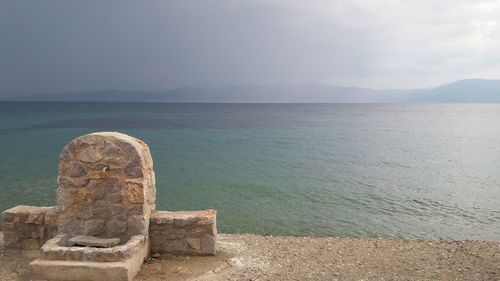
351	170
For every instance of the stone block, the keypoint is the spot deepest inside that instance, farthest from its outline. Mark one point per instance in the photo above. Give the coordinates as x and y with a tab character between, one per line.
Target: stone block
176	233
28	227
8	217
116	227
183	233
197	232
29	231
90	154
136	225
133	169
208	245
194	243
76	170
36	217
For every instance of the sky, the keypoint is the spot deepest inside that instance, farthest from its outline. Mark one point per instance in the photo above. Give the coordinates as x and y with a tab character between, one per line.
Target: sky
55	46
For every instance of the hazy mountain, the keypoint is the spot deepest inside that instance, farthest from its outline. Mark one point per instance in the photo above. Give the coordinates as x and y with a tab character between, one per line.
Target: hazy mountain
473	90
470	90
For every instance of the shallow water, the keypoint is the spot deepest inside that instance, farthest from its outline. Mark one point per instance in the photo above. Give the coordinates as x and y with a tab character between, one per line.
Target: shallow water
364	170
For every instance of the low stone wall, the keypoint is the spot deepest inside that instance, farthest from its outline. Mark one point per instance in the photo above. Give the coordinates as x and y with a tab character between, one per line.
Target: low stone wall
183	233
28	227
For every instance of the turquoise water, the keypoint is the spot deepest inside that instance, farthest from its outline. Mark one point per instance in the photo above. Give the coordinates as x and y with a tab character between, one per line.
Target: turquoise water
395	170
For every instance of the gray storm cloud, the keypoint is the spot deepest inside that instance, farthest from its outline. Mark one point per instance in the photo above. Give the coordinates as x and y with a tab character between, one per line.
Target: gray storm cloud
58	46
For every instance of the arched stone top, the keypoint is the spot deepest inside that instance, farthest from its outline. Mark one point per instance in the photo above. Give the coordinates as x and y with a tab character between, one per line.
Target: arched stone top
106	186
107	149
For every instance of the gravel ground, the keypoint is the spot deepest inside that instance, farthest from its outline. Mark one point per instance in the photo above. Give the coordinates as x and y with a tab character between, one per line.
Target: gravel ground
253	257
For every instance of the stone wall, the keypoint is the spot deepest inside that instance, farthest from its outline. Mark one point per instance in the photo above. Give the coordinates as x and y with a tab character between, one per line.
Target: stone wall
106	186
28	227
183	233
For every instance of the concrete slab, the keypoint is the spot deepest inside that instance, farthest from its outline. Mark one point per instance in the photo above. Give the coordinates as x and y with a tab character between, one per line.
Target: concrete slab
91	241
64	270
79	270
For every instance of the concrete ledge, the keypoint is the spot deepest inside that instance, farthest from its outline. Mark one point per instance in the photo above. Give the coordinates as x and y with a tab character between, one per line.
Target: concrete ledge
64	270
183	233
78	270
54	249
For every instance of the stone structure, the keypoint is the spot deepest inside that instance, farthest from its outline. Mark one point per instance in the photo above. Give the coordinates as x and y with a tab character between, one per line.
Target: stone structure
106	186
169	232
28	227
106	195
183	233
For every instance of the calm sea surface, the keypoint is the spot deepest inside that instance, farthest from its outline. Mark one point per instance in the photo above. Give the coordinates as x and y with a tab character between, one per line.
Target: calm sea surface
395	170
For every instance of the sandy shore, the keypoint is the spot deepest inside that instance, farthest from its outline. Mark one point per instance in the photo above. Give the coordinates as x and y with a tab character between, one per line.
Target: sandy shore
253	257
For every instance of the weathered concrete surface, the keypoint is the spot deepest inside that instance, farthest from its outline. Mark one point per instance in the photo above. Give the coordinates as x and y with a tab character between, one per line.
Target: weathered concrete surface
91	241
85	270
56	249
28	227
106	186
79	270
183	233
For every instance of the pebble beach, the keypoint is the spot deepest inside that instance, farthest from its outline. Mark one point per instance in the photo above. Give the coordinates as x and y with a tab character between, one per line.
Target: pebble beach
255	257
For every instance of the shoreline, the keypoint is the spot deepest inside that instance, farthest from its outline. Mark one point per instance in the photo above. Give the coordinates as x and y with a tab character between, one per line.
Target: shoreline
256	257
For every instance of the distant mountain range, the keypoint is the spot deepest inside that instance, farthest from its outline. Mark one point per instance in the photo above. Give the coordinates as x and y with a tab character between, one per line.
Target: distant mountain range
470	90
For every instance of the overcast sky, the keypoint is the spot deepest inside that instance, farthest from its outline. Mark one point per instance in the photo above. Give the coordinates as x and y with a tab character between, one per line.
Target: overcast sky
64	46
